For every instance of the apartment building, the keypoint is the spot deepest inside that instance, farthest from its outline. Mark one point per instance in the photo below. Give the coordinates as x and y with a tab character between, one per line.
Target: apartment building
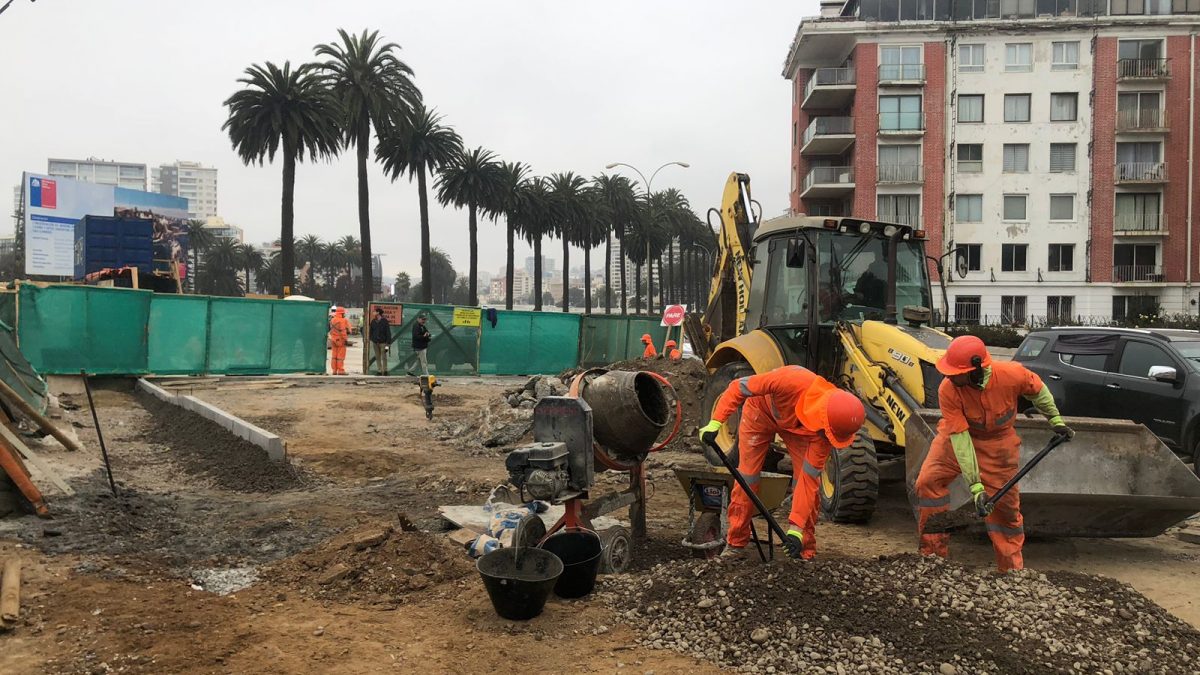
1044	145
100	171
191	180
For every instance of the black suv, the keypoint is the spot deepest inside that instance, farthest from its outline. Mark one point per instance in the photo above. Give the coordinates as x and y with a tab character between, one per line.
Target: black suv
1148	376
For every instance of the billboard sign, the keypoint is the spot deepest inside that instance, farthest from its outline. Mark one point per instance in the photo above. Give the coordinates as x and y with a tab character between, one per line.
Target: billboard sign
52	207
170	217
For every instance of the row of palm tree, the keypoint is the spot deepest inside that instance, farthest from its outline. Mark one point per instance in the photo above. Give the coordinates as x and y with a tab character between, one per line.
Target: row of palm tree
359	92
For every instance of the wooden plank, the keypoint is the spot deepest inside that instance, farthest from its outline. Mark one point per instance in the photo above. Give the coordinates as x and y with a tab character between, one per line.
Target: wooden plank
32	457
10	591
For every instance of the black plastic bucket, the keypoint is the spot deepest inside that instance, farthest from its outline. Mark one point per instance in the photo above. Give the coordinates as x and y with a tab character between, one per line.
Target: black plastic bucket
580	552
518	580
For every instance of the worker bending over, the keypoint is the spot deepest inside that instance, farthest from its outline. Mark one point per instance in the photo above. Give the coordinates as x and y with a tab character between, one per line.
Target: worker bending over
339	331
650	352
812	416
671	351
979	401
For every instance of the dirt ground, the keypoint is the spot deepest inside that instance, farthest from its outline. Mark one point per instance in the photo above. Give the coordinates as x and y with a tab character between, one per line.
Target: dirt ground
191	570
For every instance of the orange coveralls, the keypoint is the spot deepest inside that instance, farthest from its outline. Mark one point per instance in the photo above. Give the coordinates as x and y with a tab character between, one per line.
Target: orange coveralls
339	329
988	415
770	408
650	352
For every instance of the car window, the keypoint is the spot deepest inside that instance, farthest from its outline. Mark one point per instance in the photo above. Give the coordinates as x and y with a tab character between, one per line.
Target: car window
1190	351
1089	361
1031	348
1139	357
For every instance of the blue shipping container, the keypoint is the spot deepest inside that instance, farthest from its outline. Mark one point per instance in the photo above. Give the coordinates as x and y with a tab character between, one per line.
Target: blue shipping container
108	242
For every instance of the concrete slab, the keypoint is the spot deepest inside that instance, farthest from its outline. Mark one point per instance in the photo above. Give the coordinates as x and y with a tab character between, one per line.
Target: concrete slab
273	445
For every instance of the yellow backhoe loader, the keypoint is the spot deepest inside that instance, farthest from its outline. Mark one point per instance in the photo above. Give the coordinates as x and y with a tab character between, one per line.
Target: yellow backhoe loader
850	298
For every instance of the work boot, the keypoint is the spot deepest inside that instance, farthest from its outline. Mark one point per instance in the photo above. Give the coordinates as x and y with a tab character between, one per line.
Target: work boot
732	553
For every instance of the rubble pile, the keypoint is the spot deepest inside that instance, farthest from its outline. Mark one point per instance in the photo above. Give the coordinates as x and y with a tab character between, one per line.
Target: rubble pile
508	420
900	614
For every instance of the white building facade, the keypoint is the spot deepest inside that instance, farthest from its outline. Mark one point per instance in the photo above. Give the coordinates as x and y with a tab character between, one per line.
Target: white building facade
197	183
100	171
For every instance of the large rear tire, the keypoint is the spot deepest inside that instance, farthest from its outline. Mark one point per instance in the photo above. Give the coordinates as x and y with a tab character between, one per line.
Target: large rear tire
850	482
716	385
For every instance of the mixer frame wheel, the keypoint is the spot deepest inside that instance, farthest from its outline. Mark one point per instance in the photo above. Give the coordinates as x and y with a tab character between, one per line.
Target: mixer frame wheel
619	551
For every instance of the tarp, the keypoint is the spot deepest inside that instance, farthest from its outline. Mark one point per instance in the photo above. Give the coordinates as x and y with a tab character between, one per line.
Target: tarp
65	329
530	343
18	374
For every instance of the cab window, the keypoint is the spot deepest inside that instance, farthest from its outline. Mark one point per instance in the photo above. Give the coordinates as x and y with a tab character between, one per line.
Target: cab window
1088	361
786	294
1139	357
1031	349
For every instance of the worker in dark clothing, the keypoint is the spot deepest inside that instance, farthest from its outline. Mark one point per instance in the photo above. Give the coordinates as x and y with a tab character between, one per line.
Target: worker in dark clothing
420	343
381	339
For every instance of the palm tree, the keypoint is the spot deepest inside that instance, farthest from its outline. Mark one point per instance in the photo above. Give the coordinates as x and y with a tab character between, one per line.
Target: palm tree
268	281
621	205
310	251
250	261
513	176
199	239
537	217
221	262
671	210
376	91
593	230
566	191
422	146
474	180
288	110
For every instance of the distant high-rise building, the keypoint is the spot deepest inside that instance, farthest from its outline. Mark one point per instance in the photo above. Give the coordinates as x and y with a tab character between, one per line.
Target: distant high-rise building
196	183
547	267
99	171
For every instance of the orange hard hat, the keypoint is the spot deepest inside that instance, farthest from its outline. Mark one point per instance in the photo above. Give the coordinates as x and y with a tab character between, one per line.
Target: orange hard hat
340	311
671	343
646	338
845	415
966	353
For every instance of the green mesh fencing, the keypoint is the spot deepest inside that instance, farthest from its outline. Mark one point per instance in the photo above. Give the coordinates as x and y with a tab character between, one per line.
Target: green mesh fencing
605	339
298	332
239	336
529	343
453	350
65	329
8	308
178	334
18	374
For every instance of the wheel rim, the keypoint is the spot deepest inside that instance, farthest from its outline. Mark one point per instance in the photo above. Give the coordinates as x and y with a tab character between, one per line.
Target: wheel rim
618	552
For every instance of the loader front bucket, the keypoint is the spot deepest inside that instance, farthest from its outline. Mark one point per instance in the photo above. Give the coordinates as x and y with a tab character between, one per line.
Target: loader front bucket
1114	479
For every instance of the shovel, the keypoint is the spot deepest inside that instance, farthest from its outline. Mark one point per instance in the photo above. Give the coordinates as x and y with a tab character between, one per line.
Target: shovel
762	508
956	521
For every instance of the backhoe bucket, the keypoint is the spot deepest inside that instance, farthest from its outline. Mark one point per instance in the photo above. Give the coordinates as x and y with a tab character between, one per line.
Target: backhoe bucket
1114	479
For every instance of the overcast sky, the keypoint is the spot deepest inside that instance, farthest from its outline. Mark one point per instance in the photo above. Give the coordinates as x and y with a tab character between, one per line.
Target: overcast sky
562	85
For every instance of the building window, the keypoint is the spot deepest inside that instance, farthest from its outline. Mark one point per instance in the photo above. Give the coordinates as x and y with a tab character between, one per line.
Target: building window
1014	207
900	113
1139	110
1016	158
972	254
1012	257
1016	107
1062	207
1123	7
970	157
966	309
1011	9
1130	307
795	133
1062	157
1138	49
900	63
1139	161
970	58
1018	57
968	208
1065	56
899	164
1060	309
1136	262
1062	258
1138	212
970	108
1012	309
903	209
1064	107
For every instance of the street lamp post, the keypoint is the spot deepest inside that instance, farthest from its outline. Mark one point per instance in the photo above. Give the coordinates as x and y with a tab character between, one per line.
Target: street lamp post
647	183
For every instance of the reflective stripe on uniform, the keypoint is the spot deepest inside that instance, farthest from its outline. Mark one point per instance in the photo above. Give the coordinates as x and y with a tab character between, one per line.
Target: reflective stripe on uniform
744	386
1000	529
810	469
1005	417
934	502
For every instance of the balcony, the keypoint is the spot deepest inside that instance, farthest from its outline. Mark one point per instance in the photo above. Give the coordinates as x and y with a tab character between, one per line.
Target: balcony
901	123
898	173
829	88
1140	224
1150	120
828	181
902	74
1134	173
828	136
1143	69
1135	273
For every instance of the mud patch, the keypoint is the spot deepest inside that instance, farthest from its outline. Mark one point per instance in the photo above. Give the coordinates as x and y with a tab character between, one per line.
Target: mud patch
277	423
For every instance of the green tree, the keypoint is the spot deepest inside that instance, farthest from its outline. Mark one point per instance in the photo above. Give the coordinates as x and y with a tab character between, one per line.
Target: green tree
310	251
402	287
472	179
621	206
271	278
592	231
508	202
419	148
221	263
199	239
250	261
287	111
376	91
567	194
672	212
535	223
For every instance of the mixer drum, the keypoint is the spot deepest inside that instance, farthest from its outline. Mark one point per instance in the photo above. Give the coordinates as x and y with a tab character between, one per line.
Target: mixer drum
629	411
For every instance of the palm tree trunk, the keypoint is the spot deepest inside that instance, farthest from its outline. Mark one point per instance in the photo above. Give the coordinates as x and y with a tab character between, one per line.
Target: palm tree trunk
587	280
287	247
508	273
672	292
566	274
426	270
624	288
662	284
608	273
364	218
473	281
637	294
537	274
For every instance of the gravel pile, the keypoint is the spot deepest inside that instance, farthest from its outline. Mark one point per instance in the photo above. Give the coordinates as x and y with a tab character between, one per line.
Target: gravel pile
508	420
900	614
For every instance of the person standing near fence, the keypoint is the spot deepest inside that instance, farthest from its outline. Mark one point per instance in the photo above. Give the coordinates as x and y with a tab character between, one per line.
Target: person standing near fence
339	330
381	338
420	343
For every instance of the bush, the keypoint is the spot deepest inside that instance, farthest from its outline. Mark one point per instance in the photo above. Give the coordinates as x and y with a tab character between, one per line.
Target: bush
992	336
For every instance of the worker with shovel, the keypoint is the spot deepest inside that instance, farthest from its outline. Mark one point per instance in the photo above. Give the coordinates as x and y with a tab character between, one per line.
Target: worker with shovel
812	416
979	400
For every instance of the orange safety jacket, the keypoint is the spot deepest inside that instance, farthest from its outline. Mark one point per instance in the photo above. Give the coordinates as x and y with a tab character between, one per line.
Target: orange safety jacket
783	388
989	412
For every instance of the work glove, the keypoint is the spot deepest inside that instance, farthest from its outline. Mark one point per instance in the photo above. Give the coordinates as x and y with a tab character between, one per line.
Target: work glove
980	497
708	432
1061	429
793	543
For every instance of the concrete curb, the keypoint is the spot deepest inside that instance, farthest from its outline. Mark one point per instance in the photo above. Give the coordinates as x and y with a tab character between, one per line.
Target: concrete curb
274	446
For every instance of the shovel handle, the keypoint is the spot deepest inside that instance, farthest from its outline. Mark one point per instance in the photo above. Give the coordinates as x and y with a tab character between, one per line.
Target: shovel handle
1055	441
741	480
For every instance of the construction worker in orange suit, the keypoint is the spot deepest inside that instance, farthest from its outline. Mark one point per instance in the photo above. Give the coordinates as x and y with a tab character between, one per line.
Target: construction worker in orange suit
671	349
812	416
979	400
650	351
339	330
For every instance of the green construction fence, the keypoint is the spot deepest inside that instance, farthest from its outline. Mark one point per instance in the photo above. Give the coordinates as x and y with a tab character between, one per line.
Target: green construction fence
530	343
608	338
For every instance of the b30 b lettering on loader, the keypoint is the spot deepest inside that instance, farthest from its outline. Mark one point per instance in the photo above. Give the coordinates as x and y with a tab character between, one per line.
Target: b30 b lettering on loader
850	298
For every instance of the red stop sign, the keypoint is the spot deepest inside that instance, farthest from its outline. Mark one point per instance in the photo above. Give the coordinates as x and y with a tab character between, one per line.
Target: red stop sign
673	315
